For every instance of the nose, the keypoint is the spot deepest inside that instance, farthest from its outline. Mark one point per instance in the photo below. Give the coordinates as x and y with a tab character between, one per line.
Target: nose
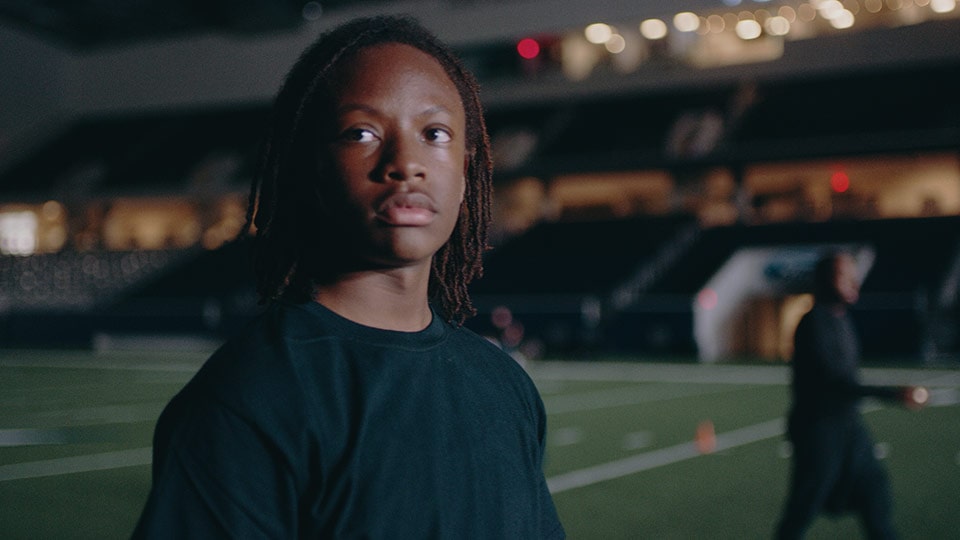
403	159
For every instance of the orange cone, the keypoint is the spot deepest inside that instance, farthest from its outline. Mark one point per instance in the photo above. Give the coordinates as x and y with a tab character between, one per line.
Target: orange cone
706	438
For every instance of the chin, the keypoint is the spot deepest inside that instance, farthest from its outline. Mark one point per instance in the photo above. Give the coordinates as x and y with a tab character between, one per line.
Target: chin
410	246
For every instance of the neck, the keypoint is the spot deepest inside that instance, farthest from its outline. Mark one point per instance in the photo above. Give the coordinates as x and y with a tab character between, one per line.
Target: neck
394	299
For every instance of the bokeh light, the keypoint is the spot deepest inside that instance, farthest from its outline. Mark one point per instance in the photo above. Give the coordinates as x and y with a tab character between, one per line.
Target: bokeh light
943	6
653	29
311	11
707	299
787	13
616	44
501	317
777	26
716	23
748	29
598	33
806	12
840	181
686	21
842	20
528	48
830	9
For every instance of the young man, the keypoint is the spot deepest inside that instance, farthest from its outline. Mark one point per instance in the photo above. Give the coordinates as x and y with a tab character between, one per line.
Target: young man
357	406
834	468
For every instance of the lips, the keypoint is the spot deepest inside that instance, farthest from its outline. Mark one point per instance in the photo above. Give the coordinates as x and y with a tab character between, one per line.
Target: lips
406	210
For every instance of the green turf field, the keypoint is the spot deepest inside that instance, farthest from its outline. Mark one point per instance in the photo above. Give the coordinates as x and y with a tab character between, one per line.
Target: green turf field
75	431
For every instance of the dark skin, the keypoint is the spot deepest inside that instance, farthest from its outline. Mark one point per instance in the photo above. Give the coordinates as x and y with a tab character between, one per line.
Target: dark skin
399	153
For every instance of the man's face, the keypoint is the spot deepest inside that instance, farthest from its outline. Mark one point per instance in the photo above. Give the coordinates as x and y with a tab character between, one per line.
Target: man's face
399	153
846	279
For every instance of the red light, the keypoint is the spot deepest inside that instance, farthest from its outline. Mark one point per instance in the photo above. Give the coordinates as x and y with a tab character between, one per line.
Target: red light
528	48
839	181
708	299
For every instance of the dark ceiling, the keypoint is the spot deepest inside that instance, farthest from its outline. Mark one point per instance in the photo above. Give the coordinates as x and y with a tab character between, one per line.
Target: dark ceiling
91	24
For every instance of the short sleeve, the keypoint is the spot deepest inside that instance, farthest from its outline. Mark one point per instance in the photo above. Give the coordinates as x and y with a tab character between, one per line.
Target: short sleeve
217	474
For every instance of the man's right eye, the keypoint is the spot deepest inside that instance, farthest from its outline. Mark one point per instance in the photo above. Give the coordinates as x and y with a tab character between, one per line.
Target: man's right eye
358	135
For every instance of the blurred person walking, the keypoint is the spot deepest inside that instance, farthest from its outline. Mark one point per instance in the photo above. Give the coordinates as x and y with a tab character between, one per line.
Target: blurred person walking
834	469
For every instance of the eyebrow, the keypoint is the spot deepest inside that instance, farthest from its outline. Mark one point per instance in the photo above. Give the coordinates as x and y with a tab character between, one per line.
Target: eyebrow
350	107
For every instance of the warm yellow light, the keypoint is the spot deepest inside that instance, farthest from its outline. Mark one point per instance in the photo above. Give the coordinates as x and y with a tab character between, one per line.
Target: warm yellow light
653	29
686	21
52	210
717	24
787	13
616	44
777	26
598	33
943	6
703	28
873	6
922	3
578	57
806	12
831	9
853	6
894	4
843	20
748	29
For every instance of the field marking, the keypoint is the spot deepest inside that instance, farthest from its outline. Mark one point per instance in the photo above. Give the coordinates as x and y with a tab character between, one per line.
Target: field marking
659	458
775	374
944	397
76	464
620	397
660	372
31	437
688	450
147	411
176	367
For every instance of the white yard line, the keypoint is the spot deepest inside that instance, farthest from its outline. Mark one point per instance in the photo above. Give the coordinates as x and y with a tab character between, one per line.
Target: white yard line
57	422
659	458
76	464
688	450
31	437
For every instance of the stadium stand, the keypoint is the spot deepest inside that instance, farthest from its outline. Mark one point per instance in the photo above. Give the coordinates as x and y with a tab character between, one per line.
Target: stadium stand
136	153
578	280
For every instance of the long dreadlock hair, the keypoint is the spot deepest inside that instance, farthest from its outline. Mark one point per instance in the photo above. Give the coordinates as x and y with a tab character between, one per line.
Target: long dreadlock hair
292	233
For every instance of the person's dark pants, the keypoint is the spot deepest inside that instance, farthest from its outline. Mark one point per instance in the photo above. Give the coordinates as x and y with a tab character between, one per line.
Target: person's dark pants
835	472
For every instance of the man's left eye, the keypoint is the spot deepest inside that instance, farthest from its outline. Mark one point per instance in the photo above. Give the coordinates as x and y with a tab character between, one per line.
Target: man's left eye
439	135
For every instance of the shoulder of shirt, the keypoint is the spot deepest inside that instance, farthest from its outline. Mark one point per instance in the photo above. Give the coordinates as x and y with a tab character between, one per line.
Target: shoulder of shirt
491	353
249	362
462	333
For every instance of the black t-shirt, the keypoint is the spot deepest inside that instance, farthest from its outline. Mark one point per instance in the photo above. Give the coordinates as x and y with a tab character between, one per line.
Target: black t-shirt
312	426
